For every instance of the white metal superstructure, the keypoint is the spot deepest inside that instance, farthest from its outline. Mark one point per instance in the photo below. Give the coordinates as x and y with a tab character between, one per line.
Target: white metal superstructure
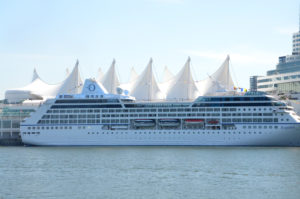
95	117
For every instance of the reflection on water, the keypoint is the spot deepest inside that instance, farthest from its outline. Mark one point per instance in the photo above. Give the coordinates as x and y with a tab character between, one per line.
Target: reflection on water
149	172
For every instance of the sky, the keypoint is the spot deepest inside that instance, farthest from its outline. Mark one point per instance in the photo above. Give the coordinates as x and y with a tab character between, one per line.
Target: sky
51	35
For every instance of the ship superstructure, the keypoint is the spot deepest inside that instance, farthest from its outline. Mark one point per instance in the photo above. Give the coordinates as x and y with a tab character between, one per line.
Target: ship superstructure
95	117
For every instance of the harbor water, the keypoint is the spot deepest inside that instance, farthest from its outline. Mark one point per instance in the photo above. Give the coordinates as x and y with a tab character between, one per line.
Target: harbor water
149	172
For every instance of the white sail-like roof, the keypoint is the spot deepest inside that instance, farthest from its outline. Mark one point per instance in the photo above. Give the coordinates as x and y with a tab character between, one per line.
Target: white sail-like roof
146	87
219	81
110	80
40	90
35	75
100	75
132	79
133	75
67	72
183	86
72	84
222	75
167	75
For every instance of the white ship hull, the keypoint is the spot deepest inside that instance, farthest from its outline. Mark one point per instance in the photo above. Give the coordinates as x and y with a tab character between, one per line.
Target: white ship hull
285	135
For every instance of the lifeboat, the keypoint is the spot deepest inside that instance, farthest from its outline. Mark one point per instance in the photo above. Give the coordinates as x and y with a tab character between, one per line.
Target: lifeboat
119	127
194	121
144	122
168	122
213	122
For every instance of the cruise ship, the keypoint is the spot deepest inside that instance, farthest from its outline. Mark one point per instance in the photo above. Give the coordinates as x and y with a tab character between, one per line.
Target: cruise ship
95	117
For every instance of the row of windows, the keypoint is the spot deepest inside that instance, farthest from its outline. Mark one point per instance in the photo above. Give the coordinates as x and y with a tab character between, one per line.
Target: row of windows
86	101
93	116
154	105
236	104
159	133
246	120
265	86
228	99
281	78
264	80
86	106
194	109
296	49
296	35
296	44
49	127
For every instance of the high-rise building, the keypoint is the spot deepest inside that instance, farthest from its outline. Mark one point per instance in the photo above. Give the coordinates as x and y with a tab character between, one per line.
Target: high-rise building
286	77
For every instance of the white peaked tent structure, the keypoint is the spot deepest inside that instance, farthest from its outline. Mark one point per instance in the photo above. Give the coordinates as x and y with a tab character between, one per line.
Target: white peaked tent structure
100	75
133	75
145	87
110	80
67	72
220	81
132	79
182	86
35	75
72	84
167	75
222	75
39	90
